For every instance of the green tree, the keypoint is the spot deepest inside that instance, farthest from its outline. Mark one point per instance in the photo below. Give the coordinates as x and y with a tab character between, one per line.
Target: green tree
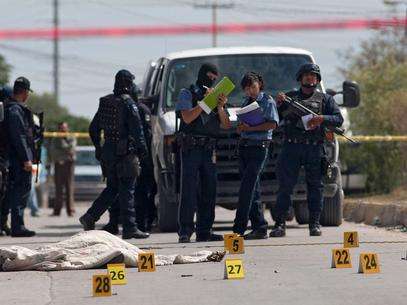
55	113
380	67
4	71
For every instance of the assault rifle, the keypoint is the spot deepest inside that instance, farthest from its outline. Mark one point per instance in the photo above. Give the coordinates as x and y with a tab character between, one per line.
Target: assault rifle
300	110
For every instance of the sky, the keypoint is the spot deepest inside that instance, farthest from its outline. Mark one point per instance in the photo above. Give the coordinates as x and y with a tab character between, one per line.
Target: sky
88	65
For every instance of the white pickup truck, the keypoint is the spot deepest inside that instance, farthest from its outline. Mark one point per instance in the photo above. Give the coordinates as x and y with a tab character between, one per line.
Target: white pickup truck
164	79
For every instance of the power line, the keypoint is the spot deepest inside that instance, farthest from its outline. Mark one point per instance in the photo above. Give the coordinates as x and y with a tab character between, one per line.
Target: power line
73	61
303	11
127	11
214	5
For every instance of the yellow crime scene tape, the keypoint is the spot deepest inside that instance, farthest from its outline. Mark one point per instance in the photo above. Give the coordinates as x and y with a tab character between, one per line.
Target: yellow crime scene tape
375	138
55	134
366	139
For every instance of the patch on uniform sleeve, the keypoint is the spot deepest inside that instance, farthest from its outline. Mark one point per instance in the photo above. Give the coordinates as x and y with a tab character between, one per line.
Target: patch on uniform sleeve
134	108
184	100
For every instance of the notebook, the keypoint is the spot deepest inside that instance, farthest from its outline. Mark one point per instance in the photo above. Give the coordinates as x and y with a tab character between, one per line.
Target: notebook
251	114
210	101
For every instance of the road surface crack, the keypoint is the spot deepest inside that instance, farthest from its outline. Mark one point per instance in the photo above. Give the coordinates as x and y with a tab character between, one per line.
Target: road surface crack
50	290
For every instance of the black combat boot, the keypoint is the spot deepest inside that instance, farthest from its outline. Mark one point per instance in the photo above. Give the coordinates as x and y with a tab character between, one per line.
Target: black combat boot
23	232
256	234
135	234
183	239
87	222
208	237
112	228
315	229
5	229
314	226
278	229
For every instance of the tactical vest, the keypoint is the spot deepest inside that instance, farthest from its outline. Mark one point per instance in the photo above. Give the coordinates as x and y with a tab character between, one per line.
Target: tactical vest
28	120
111	117
294	127
204	125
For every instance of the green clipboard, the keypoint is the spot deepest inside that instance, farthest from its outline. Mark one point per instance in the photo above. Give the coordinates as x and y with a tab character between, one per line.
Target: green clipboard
210	101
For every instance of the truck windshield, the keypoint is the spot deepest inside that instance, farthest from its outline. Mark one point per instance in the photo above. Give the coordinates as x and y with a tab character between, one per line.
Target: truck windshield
278	71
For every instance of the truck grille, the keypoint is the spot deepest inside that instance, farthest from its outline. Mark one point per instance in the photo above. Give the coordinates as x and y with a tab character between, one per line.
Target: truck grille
228	172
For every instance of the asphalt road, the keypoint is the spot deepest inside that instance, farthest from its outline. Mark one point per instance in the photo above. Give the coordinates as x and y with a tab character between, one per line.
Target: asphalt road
291	270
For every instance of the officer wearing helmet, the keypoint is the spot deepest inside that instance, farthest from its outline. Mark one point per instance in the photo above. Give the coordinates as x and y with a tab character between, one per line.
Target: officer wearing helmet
145	188
123	147
303	146
5	93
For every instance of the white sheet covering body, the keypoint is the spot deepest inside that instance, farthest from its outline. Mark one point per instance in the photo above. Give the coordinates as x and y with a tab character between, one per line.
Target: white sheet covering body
87	250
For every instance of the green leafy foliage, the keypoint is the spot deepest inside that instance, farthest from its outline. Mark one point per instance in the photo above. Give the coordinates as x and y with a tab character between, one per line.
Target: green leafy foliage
380	67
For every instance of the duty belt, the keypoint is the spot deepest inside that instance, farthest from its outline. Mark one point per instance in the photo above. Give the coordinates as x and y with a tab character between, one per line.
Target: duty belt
197	141
253	142
303	141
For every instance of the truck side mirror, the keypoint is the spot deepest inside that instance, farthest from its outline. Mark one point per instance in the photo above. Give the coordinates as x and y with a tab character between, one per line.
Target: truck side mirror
351	94
331	92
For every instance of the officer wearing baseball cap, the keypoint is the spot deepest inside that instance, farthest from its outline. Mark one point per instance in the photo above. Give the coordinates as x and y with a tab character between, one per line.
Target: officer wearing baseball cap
23	84
5	93
19	126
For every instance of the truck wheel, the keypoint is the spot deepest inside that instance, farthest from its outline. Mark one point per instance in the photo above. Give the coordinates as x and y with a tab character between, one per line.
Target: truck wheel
332	212
167	210
301	212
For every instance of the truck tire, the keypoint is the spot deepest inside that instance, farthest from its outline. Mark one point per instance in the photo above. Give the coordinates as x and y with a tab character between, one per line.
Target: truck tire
332	212
167	210
301	212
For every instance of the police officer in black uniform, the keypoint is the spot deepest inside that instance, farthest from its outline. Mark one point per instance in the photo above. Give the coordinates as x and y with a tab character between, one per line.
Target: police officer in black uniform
5	93
303	146
197	140
145	188
20	130
124	145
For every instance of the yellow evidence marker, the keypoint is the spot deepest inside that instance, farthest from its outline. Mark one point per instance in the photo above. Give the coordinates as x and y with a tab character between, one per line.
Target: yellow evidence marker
341	258
236	245
146	262
350	239
227	238
234	269
369	263
117	273
102	285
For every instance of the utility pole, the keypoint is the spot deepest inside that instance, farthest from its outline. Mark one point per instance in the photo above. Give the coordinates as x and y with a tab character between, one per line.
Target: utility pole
214	5
56	49
395	3
214	24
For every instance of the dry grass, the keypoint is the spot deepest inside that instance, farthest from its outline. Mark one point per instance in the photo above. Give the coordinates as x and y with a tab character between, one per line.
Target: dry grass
398	196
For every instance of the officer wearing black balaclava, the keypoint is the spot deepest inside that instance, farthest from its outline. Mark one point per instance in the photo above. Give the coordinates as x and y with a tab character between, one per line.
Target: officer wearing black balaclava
197	140
123	148
303	146
145	189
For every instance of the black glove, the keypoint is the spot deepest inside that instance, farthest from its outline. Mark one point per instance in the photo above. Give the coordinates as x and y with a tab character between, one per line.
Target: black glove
98	153
142	154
